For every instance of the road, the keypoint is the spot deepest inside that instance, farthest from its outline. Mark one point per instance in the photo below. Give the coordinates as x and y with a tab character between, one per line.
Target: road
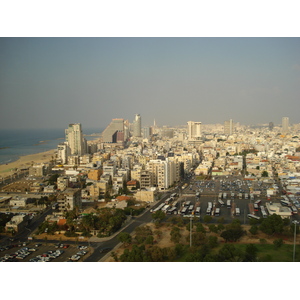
146	217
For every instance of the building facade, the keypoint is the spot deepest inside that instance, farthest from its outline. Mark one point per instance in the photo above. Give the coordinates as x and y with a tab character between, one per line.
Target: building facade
75	139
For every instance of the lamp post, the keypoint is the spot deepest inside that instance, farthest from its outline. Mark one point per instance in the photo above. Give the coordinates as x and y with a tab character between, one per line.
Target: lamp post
295	222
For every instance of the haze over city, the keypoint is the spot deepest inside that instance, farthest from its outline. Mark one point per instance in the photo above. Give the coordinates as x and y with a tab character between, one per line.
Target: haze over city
50	82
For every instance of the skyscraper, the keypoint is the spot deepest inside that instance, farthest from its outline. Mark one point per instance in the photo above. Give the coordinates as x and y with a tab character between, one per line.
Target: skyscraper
110	133
228	127
194	130
137	126
75	139
271	126
285	124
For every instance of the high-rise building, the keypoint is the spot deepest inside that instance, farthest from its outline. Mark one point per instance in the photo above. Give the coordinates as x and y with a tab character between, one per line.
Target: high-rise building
285	124
137	129
146	132
194	130
271	126
75	139
114	132
63	150
228	127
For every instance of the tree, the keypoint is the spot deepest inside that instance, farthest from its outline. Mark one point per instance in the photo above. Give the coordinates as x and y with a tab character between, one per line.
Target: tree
142	233
253	230
158	216
271	225
264	174
198	238
125	238
149	240
212	241
200	227
278	243
230	253
175	235
213	228
232	235
251	252
221	227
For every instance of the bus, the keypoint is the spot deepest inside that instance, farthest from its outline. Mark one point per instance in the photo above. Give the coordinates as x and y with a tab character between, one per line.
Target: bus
208	211
174	204
173	195
184	210
217	212
224	195
285	202
250	216
158	207
240	195
172	210
167	201
197	194
255	207
263	212
221	202
187	203
220	196
251	197
197	211
209	204
191	207
228	204
257	202
232	195
166	207
246	196
237	211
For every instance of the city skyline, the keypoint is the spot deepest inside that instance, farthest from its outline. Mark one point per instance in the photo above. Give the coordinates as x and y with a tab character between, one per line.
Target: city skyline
48	82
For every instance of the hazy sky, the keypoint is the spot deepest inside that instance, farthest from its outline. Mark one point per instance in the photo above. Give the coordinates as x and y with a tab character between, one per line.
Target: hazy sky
51	82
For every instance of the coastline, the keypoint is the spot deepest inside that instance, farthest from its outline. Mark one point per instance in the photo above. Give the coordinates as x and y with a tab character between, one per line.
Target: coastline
26	161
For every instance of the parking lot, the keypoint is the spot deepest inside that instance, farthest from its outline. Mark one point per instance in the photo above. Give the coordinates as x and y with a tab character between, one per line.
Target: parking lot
242	194
44	252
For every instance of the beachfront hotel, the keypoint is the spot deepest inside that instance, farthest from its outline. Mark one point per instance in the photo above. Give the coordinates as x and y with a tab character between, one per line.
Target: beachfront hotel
75	139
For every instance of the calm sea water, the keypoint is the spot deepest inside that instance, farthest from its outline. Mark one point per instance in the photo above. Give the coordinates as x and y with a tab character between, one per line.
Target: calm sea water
15	143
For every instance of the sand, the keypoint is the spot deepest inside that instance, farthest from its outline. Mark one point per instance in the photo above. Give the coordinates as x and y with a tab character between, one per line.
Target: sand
25	162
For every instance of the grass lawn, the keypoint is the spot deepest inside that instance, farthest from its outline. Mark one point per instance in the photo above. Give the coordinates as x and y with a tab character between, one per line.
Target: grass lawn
266	252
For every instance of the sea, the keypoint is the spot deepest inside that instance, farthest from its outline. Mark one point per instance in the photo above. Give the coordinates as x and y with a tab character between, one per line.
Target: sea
18	142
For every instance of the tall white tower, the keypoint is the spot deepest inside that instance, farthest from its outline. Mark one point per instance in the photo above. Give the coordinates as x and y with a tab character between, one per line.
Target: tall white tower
75	139
137	126
285	124
228	127
194	130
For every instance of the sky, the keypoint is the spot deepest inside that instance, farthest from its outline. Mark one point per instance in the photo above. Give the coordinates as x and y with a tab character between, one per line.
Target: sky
51	82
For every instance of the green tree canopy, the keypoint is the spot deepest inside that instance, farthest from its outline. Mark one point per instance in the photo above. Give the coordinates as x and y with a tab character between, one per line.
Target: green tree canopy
125	238
271	225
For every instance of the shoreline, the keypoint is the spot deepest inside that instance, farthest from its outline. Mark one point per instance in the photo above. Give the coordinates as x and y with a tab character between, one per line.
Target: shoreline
25	161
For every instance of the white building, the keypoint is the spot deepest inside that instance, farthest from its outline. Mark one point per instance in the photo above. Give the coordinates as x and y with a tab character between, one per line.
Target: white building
75	139
137	129
194	130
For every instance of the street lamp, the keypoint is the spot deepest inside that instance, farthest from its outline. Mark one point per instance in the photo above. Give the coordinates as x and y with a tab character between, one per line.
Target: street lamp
295	222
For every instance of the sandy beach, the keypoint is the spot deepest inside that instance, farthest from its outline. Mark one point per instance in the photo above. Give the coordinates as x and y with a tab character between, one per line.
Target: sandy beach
25	162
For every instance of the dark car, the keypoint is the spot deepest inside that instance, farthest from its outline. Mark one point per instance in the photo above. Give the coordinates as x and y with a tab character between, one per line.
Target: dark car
105	250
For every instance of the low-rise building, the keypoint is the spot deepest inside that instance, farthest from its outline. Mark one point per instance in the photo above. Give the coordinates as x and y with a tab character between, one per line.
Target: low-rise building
17	223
